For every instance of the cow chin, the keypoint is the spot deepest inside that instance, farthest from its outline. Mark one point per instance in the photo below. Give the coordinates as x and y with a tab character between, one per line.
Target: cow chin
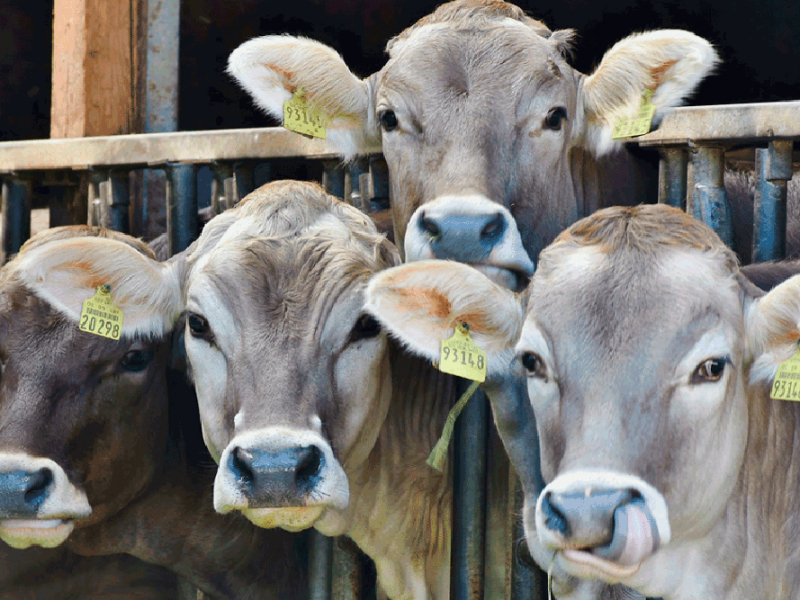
24	533
291	519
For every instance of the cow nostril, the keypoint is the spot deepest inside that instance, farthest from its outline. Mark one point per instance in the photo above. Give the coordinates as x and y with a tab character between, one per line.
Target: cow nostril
494	228
241	465
308	466
554	519
38	488
429	225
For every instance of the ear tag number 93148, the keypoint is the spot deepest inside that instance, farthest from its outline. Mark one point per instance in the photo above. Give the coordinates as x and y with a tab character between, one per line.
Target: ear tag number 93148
460	356
787	380
301	116
639	124
99	315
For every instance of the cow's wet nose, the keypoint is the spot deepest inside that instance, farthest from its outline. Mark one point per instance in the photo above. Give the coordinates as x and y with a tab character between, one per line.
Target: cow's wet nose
277	478
466	238
22	493
584	519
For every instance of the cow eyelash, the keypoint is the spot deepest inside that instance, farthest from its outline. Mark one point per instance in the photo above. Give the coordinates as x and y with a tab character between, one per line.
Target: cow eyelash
710	370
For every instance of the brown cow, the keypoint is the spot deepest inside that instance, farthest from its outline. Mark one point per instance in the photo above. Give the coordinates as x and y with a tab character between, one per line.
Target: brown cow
100	451
494	143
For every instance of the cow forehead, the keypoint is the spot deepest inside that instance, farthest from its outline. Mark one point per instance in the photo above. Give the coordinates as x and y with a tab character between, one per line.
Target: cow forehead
627	307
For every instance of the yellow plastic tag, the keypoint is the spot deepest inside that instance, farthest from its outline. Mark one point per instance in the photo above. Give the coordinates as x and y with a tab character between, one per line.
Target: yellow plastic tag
300	116
99	315
640	124
460	356
787	381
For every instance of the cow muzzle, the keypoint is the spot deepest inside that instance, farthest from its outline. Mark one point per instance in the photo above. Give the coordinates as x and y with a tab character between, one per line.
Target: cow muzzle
280	478
472	230
38	504
602	531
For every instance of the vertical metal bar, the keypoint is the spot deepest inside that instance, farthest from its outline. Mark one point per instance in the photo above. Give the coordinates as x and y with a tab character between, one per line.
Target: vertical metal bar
219	191
346	571
95	199
709	190
320	566
379	178
181	206
672	177
469	500
118	190
499	540
243	179
16	214
773	170
333	178
353	194
528	582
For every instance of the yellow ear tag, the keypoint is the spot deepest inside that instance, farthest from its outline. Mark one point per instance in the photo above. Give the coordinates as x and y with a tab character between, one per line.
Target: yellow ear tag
99	315
300	116
459	356
787	380
640	124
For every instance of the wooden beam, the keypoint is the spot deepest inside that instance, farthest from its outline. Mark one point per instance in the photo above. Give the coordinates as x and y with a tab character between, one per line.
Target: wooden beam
96	61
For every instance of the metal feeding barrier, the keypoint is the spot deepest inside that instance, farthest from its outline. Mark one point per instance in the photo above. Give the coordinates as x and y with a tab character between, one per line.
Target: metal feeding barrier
488	555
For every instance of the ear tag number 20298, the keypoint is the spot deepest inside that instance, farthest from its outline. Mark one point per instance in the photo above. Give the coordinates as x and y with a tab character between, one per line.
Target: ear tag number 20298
787	380
99	315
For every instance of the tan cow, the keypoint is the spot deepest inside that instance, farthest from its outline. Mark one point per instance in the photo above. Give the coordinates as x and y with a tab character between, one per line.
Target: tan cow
100	448
649	361
494	142
314	416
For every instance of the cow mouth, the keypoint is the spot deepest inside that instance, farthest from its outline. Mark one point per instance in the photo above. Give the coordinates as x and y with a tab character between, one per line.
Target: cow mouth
509	277
23	533
291	519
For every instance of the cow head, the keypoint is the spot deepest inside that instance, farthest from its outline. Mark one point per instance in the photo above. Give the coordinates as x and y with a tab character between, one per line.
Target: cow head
643	348
292	379
82	417
489	134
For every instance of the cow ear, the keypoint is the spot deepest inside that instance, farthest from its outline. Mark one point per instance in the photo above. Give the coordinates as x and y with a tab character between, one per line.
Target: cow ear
67	272
272	68
669	62
773	327
420	304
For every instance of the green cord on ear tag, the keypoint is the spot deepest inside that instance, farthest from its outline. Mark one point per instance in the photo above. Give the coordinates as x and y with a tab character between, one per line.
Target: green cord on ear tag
439	453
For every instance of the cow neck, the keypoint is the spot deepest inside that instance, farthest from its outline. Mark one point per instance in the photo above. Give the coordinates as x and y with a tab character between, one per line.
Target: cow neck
399	506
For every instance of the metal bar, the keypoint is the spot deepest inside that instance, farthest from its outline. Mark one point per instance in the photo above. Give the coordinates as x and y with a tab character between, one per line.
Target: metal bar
469	500
709	190
119	200
333	178
346	578
672	177
181	206
739	123
16	205
528	582
320	566
379	178
243	179
96	199
773	169
161	89
158	149
220	200
353	194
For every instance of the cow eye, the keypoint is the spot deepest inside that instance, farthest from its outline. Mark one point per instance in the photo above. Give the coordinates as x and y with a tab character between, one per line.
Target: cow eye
555	118
136	361
198	326
709	370
533	364
366	327
388	120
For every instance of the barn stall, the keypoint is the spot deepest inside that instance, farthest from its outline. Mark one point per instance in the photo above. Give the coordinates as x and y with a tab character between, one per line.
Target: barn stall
109	162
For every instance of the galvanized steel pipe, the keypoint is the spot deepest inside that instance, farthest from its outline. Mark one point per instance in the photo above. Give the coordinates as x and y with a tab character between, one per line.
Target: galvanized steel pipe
773	170
708	194
672	177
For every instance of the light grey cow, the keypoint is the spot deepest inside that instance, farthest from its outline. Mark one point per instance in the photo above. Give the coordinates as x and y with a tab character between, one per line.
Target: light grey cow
494	143
315	418
649	361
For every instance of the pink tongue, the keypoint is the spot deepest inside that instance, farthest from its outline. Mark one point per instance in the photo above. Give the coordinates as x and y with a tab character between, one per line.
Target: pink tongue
635	536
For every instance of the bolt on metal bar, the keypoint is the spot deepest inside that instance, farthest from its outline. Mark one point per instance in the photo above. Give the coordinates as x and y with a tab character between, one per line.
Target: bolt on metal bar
672	177
773	170
119	200
16	206
320	566
333	178
181	206
469	500
708	192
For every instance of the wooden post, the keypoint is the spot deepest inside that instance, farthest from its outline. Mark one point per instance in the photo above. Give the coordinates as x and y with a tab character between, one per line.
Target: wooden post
96	58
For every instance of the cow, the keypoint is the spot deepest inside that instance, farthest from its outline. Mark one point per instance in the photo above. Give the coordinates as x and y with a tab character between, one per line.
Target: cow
649	361
314	418
100	445
494	143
